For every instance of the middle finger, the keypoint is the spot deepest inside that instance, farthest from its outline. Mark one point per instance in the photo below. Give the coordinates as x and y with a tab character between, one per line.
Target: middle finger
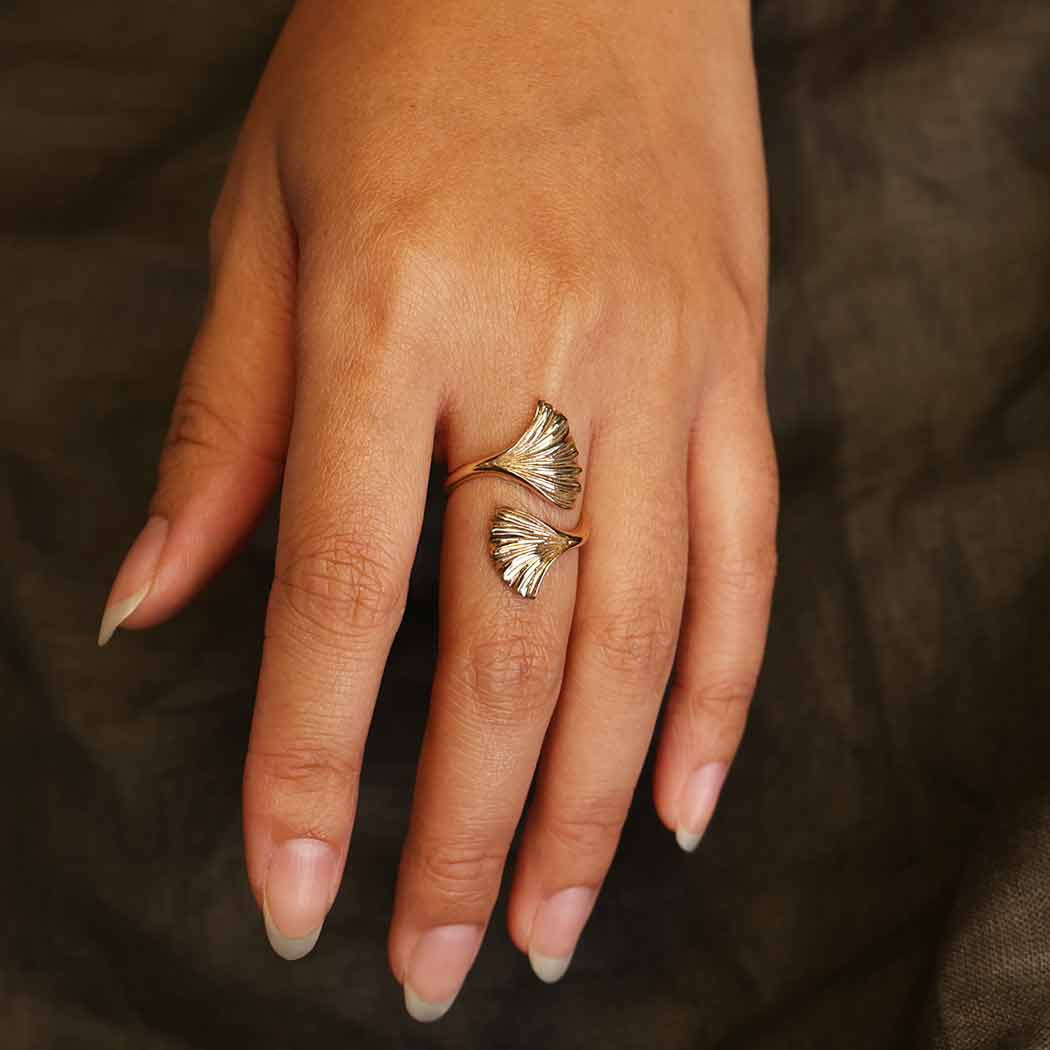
498	674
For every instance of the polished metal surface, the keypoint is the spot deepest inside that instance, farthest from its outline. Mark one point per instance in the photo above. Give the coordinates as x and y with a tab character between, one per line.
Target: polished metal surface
544	458
524	548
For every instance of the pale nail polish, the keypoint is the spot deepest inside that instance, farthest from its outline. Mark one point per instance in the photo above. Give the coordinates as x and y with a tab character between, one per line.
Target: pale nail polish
437	968
556	928
298	894
697	802
135	577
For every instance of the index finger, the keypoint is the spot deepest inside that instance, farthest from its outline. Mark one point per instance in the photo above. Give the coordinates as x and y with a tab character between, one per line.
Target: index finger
352	507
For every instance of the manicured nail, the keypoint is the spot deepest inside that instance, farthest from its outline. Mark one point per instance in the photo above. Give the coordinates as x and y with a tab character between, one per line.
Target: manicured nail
556	929
297	895
697	803
437	968
134	578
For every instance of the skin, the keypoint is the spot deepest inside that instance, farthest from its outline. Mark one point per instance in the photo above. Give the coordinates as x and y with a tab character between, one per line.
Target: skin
439	211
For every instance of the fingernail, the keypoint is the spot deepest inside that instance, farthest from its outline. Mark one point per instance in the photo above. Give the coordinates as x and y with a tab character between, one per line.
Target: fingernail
134	578
697	803
297	895
556	929
437	968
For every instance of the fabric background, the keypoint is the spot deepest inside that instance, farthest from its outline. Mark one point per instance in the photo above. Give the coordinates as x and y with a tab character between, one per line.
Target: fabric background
879	872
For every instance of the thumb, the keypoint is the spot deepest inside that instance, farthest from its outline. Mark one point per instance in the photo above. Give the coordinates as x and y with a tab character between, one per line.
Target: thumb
225	448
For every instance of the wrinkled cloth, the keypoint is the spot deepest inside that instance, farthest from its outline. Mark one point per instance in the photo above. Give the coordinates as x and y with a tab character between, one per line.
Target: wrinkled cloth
878	872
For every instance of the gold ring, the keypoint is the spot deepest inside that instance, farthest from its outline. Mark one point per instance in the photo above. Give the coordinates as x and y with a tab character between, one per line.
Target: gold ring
524	548
544	458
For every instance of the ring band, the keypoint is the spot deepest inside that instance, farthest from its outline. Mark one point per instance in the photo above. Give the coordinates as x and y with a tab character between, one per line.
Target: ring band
524	548
544	458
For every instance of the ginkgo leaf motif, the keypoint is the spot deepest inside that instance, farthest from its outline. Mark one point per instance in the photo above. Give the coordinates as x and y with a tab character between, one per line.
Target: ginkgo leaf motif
544	457
524	548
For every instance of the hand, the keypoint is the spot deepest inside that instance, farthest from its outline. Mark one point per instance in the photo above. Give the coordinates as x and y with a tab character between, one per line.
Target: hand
437	213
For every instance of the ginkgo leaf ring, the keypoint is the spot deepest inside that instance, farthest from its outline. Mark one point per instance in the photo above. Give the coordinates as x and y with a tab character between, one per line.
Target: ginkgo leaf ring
544	458
525	547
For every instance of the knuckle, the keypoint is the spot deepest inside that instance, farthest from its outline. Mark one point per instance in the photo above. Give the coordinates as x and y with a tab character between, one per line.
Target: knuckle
312	784
635	638
737	313
567	293
510	675
659	298
461	873
308	766
750	577
197	425
391	283
742	305
725	697
211	423
418	272
508	670
511	663
565	298
589	827
409	273
338	585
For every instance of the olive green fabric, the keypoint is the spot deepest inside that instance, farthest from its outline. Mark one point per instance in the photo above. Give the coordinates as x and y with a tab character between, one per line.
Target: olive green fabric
878	872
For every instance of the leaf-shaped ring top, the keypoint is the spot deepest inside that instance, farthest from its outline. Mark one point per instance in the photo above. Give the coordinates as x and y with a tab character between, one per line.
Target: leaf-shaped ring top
544	458
524	548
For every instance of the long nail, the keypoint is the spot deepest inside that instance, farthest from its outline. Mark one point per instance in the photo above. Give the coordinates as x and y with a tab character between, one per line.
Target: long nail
437	968
697	803
298	894
134	578
556	929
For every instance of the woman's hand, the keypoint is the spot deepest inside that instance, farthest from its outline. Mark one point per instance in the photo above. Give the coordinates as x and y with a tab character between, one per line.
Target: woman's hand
437	213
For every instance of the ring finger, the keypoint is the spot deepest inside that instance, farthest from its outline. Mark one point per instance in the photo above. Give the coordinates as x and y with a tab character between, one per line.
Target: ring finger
628	608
